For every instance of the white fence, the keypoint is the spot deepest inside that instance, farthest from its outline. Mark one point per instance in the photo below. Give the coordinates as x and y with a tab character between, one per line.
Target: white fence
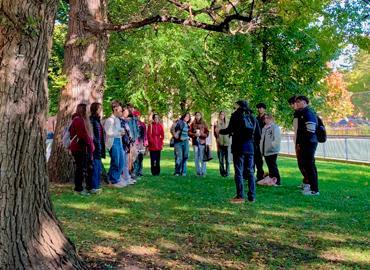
336	147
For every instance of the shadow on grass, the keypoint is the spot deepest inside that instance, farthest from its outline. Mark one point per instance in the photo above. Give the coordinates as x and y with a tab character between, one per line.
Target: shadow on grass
187	223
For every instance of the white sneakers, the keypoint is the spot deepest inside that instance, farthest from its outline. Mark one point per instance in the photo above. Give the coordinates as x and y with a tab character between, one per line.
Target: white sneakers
311	193
119	184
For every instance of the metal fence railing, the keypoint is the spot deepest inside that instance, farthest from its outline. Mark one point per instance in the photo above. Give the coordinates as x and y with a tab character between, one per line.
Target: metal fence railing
347	148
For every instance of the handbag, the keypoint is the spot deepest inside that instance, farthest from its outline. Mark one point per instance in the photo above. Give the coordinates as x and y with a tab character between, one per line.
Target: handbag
176	136
172	142
207	154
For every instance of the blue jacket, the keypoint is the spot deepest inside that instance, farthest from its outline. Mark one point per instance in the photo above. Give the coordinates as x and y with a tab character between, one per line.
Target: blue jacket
307	125
244	141
99	137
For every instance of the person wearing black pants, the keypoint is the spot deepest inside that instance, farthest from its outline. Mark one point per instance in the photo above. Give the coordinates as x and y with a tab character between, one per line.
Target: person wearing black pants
83	166
308	163
155	162
155	144
258	160
270	148
273	168
307	142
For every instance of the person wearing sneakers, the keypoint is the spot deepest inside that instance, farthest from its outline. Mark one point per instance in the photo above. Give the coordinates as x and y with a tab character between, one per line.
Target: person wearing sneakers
245	132
114	132
292	104
270	148
307	142
127	143
95	171
181	134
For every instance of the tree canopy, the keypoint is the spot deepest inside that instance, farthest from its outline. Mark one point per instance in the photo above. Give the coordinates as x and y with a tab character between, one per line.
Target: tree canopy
281	50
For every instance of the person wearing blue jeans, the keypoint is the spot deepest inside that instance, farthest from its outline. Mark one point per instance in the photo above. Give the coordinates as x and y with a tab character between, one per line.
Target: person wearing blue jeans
245	132
116	162
198	132
181	146
244	169
94	171
200	165
181	157
114	132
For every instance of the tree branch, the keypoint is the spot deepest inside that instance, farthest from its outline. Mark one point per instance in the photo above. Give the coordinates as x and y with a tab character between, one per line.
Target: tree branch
97	26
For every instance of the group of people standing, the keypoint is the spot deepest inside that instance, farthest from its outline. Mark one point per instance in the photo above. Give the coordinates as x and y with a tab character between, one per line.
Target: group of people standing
258	138
126	138
252	139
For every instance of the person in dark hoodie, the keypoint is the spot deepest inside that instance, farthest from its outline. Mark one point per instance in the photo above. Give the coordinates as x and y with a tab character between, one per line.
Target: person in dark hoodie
305	182
245	132
94	172
307	142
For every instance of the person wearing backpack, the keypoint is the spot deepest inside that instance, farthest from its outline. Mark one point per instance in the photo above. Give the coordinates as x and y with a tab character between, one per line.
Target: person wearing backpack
296	114
199	132
306	141
270	148
82	148
95	171
181	144
155	144
114	132
245	132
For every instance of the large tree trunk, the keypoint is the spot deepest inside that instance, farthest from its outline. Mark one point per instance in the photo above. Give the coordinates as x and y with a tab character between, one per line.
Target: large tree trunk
84	66
30	236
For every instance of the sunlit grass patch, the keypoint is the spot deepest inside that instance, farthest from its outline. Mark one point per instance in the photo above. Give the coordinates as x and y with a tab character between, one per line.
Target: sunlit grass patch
170	222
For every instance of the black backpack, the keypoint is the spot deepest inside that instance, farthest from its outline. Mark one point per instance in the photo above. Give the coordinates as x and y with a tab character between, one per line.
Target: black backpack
321	131
249	125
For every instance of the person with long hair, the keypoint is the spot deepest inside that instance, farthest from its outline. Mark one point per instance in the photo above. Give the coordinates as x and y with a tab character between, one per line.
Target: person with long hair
245	132
181	145
82	148
127	144
99	142
199	132
155	144
223	142
114	133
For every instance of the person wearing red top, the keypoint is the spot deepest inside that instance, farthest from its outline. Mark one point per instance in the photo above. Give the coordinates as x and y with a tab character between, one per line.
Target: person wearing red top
155	144
82	147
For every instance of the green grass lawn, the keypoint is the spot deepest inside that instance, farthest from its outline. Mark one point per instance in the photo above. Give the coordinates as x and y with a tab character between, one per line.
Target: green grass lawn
172	222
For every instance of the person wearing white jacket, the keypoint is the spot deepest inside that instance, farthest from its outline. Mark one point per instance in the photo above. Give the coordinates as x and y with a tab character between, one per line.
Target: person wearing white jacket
114	133
270	148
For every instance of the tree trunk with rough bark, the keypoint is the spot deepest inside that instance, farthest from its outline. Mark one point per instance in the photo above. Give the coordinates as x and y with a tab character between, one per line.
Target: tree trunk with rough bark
84	66
30	236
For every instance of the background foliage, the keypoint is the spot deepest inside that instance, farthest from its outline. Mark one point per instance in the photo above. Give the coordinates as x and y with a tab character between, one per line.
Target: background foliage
170	68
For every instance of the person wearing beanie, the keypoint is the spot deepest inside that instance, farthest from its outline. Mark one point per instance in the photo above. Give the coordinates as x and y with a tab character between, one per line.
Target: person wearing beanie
245	132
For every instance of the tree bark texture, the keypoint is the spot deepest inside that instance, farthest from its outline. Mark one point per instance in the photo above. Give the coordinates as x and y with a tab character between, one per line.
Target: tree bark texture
30	236
84	66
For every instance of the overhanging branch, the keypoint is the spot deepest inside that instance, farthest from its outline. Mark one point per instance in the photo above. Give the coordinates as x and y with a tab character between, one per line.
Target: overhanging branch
96	26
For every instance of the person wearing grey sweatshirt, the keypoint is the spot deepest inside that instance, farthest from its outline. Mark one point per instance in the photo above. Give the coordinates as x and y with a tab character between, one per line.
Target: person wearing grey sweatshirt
270	146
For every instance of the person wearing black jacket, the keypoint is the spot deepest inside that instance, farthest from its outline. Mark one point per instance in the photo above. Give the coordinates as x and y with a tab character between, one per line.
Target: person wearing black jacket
94	172
258	160
245	132
307	142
